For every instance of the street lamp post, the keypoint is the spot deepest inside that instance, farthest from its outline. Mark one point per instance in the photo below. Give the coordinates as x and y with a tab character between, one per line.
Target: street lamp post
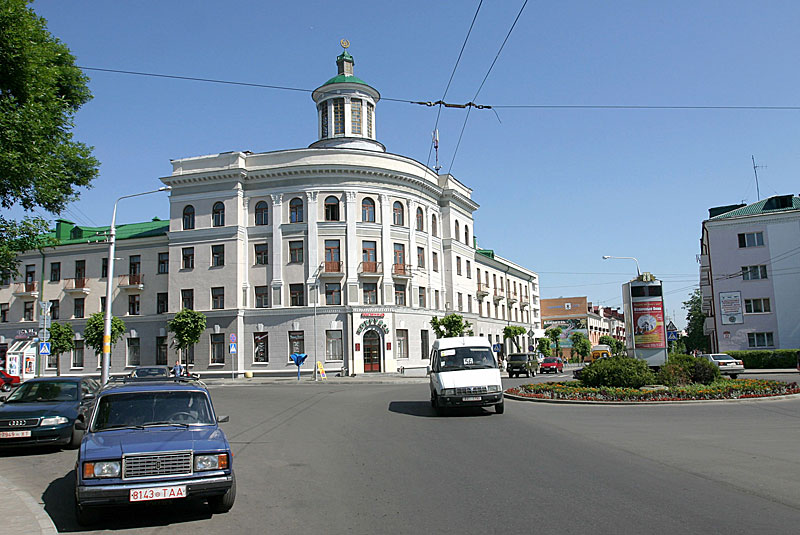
316	297
638	272
106	360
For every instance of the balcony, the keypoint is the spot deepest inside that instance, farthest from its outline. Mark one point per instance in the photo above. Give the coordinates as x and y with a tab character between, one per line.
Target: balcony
483	291
26	289
401	271
709	326
512	298
370	270
524	302
499	294
331	269
131	281
77	286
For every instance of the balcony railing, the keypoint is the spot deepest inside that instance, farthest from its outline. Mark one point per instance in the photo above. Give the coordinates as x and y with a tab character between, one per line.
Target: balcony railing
331	268
499	294
401	270
512	297
132	280
370	269
77	285
26	289
483	290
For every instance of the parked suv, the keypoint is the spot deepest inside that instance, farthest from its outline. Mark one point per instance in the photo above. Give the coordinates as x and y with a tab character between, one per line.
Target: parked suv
519	363
153	440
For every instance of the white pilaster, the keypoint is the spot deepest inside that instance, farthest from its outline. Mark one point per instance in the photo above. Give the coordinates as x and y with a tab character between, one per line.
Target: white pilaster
277	250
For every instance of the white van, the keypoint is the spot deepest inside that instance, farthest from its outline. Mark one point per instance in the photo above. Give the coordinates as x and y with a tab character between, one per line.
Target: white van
464	373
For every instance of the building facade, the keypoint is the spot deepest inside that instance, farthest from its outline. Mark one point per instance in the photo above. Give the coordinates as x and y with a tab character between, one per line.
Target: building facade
340	250
750	275
576	314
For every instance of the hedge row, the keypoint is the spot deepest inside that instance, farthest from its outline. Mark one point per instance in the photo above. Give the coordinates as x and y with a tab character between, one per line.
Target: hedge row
759	359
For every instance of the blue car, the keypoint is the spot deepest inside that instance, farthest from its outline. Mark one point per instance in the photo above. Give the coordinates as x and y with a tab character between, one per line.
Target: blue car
47	411
153	440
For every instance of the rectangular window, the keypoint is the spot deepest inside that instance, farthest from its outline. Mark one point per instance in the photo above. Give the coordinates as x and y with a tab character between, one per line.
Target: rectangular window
759	340
4	312
370	293
332	254
217	349
469	270
262	254
400	294
55	309
161	303
401	343
424	344
469	303
421	257
78	310
218	298
55	271
399	258
133	304
103	303
333	345
80	269
460	301
436	299
751	239
295	252
261	348
104	268
161	350
296	343
323	108
333	293
77	354
134	353
187	256
355	115
338	116
756	306
188	355
262	296
135	265
458	265
297	295
163	263
422	295
52	362
750	273
187	299
370	109
435	261
217	255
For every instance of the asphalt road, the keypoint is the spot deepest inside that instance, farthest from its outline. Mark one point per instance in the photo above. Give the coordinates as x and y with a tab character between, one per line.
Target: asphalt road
321	458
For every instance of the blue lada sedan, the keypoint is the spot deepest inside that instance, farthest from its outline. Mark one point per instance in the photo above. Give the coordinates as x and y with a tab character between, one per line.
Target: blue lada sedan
154	440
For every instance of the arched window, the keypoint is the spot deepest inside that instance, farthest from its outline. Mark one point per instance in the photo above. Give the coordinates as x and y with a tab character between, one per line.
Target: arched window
296	210
262	213
368	210
420	219
455	235
331	209
434	226
466	234
218	212
188	217
397	213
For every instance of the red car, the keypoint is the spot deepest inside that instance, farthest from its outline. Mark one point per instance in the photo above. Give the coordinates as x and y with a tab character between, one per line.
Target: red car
8	381
551	364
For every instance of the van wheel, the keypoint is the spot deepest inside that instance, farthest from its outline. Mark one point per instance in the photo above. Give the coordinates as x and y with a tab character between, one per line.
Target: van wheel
500	408
440	410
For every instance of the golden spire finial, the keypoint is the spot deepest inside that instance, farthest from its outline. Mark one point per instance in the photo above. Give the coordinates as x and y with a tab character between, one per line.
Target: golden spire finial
345	43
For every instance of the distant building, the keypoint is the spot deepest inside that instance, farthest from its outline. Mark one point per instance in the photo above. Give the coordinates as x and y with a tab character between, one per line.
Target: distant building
750	275
576	314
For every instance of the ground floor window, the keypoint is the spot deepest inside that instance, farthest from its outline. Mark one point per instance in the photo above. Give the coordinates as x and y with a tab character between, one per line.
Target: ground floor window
424	344
188	355
260	348
52	361
296	343
77	354
333	345
401	343
161	350
217	349
760	340
134	353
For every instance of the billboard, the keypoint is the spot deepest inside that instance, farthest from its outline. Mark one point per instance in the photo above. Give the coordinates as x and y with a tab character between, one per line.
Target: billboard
730	305
568	326
648	324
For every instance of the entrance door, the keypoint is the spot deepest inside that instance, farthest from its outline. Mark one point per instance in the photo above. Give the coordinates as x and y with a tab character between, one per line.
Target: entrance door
372	351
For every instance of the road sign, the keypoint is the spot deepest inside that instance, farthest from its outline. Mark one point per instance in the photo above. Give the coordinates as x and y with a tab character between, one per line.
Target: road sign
671	326
44	335
672	336
45	306
44	322
232	348
233	338
497	347
44	348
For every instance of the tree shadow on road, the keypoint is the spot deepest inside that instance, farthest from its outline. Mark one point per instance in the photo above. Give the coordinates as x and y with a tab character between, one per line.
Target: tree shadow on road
423	409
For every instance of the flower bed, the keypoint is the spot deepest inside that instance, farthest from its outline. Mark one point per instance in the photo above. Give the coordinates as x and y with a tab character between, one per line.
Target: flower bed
722	389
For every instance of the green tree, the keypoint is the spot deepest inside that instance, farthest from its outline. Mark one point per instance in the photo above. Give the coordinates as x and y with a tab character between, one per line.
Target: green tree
617	346
93	332
554	334
581	345
41	90
695	319
187	325
62	340
512	331
543	346
450	326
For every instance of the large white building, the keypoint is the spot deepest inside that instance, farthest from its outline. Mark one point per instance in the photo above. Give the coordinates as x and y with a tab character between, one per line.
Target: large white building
339	250
750	275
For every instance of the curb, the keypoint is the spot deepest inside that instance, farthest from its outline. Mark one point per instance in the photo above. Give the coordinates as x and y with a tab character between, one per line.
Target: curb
35	510
637	403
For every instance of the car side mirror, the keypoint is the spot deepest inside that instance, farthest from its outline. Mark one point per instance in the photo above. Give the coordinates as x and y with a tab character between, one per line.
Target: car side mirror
223	419
88	396
80	425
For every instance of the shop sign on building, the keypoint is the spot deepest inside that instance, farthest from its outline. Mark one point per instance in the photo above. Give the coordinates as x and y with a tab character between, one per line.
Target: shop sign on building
369	322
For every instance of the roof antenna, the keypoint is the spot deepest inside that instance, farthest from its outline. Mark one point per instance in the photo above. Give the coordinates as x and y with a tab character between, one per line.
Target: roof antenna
755	172
438	166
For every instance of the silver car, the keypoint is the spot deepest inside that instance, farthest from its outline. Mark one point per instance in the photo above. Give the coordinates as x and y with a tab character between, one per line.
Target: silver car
726	363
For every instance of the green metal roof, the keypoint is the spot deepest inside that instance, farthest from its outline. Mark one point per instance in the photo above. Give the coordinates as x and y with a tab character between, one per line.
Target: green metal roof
68	233
489	253
343	78
780	203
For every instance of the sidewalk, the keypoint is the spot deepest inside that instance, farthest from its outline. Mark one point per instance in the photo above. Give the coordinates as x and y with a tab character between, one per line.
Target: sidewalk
308	379
22	514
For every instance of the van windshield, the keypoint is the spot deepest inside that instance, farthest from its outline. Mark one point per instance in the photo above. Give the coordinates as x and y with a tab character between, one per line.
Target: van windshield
466	358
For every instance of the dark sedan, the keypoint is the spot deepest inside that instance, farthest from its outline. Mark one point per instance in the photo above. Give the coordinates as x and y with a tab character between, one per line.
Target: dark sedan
43	411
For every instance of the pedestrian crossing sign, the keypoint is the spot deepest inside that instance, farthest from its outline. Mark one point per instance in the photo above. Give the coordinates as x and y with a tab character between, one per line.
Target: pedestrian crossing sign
44	348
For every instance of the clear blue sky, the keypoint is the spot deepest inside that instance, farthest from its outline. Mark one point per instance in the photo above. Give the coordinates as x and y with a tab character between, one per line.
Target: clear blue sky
558	188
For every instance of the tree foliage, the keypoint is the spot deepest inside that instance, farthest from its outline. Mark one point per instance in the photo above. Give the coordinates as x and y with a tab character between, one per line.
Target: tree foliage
554	334
93	332
512	331
41	89
187	325
617	346
695	339
450	326
543	346
581	345
62	340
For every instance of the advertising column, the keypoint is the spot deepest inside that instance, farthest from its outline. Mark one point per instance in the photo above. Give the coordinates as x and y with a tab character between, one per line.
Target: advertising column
645	336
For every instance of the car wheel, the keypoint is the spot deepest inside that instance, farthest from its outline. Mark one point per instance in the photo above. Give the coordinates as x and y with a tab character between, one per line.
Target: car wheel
223	502
5	387
437	406
75	442
85	515
734	375
500	408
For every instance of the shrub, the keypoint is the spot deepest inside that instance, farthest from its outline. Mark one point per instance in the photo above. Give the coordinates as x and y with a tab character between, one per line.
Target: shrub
705	372
779	358
674	374
617	372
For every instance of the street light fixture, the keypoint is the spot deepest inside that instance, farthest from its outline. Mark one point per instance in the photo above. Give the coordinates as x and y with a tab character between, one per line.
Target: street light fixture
638	272
106	360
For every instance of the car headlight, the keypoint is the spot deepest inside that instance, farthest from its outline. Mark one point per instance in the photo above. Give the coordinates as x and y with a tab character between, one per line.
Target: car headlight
101	469
54	420
448	391
493	388
217	461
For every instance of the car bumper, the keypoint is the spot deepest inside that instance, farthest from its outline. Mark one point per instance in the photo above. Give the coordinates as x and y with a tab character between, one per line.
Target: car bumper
483	400
119	493
40	436
731	370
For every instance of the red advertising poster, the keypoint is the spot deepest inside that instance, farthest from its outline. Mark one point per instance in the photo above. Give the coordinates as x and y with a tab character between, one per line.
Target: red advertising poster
648	325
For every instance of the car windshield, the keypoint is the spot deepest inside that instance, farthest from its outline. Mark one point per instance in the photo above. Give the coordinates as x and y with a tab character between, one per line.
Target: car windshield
48	391
722	357
550	360
150	372
139	409
517	358
466	358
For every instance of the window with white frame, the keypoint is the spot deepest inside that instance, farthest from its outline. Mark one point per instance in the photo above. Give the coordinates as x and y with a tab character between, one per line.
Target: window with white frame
260	348
333	345
760	340
401	343
262	213
217	349
134	352
751	239
756	306
355	115
77	354
750	273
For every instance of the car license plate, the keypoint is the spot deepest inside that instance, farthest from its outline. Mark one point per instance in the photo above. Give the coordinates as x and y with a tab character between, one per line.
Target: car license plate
14	434
471	398
158	493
